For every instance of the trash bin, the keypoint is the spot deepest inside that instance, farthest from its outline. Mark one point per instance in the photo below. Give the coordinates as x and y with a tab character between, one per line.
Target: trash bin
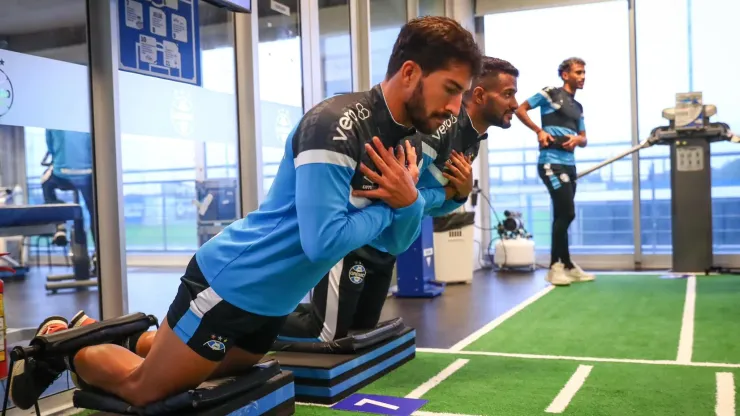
453	247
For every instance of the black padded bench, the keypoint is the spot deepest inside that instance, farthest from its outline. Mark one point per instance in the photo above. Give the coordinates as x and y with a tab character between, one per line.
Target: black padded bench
328	372
266	389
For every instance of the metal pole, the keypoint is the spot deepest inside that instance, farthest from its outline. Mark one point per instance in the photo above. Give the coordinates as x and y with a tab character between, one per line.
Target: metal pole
103	44
636	186
246	36
644	144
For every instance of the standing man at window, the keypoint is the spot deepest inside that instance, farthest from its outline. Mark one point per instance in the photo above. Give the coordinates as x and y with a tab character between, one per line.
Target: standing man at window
562	130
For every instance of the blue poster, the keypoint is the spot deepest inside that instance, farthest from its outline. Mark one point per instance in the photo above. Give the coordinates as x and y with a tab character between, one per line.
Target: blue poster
160	38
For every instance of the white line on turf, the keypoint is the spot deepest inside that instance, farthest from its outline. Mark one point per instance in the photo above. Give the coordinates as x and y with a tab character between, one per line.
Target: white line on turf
686	342
567	358
498	321
434	381
725	395
562	400
416	413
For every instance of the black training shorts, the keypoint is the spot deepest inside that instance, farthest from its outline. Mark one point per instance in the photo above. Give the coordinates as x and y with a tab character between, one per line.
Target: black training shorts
210	326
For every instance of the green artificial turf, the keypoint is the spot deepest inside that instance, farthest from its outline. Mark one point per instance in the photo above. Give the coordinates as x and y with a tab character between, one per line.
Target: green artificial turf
636	316
633	317
398	383
717	319
656	390
521	387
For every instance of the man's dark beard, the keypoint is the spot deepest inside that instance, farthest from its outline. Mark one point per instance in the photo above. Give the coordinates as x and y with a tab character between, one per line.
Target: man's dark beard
489	114
417	111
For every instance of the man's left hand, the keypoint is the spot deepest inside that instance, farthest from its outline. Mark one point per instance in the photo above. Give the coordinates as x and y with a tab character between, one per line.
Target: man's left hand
461	174
573	141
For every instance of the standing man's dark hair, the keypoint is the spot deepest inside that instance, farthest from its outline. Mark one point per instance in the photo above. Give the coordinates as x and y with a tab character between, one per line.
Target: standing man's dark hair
432	64
568	64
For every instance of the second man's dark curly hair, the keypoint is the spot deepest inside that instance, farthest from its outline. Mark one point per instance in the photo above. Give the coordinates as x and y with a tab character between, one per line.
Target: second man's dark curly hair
433	42
490	69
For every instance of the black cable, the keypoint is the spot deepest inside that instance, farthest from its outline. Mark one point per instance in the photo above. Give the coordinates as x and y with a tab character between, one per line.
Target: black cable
490	243
503	246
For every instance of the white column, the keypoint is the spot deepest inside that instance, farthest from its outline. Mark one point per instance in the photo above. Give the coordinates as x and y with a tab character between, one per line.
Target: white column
310	53
359	28
248	110
106	128
463	12
636	214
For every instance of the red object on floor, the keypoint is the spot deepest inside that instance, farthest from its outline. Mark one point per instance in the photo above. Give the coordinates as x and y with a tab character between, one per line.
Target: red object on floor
4	344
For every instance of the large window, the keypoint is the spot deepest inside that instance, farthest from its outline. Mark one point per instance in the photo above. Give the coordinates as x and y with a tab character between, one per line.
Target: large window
386	19
336	47
173	151
604	198
179	144
46	162
692	58
431	7
280	82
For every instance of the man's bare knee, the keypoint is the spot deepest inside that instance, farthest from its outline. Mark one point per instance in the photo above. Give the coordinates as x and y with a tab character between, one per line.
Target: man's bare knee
138	391
170	367
236	361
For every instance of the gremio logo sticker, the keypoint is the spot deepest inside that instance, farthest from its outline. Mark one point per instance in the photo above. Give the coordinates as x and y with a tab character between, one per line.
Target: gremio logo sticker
6	93
357	274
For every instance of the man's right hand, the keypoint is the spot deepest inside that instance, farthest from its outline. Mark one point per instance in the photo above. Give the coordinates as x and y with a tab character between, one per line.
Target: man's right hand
396	185
544	138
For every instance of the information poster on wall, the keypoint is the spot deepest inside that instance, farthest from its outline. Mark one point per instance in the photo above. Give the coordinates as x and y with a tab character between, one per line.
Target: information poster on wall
160	38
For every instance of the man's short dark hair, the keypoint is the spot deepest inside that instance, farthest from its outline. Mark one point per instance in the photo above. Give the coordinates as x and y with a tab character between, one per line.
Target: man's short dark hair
567	64
490	69
434	42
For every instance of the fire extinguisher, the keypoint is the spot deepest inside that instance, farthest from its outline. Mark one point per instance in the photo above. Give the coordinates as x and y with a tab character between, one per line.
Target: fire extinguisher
4	343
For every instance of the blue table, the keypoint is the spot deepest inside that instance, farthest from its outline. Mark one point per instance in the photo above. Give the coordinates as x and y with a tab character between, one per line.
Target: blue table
30	220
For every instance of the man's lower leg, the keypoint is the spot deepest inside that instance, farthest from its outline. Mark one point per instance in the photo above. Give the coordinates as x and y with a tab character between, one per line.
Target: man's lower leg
557	275
139	343
107	367
169	368
565	249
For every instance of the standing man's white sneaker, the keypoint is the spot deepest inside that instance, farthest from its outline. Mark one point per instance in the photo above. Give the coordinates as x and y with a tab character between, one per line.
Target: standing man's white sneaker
557	275
576	274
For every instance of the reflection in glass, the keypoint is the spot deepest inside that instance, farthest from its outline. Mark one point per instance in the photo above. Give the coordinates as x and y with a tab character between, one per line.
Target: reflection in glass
431	7
604	198
179	159
336	48
46	170
692	52
386	19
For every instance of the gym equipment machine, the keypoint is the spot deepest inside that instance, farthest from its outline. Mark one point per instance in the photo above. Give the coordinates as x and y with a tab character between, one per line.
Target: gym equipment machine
691	185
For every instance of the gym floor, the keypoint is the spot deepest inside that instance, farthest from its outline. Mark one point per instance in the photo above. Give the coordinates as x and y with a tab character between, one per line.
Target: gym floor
440	322
623	345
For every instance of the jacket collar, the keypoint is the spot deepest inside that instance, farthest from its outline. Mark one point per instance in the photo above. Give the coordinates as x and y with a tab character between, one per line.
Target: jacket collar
389	131
469	133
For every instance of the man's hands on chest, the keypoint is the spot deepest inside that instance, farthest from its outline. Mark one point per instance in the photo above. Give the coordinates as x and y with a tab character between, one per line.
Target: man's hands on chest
460	175
398	175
